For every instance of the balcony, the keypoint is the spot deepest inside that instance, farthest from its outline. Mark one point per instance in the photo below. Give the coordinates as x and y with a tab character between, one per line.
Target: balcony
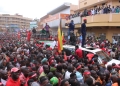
88	3
103	20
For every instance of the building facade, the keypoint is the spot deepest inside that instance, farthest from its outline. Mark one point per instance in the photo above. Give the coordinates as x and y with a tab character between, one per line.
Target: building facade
102	18
14	21
60	13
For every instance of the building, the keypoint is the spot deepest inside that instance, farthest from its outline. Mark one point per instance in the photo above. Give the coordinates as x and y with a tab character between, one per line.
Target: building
102	23
41	22
60	13
13	22
34	24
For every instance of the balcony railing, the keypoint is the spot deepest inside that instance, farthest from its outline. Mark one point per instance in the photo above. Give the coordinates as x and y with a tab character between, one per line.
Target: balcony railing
103	18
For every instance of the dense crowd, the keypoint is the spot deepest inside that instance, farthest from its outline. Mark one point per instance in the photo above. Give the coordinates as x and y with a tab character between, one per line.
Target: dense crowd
26	63
104	9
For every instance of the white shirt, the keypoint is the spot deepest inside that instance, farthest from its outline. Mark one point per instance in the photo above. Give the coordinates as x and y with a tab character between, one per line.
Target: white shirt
113	10
3	82
19	49
67	75
35	84
93	12
54	43
112	54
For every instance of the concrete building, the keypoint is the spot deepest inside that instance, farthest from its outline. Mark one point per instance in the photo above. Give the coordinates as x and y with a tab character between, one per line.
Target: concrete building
41	22
34	24
104	25
53	17
14	21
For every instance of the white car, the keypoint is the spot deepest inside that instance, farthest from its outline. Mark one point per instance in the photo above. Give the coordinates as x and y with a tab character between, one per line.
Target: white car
102	56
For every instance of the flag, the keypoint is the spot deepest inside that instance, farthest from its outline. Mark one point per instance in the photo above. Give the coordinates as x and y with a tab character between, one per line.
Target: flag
60	38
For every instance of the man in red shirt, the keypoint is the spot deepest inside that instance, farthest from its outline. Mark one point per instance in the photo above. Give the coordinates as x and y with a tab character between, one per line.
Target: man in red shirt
14	78
28	36
78	52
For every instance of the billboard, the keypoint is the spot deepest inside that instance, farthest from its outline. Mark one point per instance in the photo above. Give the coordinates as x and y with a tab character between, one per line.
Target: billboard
33	25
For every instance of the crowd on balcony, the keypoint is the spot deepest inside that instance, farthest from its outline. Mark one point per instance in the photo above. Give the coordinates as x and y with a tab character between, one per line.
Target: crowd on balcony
105	9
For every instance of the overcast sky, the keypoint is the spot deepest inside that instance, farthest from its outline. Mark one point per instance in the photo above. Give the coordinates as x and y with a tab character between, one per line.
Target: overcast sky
31	8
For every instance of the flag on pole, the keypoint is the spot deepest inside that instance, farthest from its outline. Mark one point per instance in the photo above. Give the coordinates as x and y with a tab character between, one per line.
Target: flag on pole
60	38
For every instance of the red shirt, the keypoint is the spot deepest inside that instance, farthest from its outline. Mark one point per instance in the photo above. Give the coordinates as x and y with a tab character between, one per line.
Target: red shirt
103	49
49	48
11	82
24	79
79	53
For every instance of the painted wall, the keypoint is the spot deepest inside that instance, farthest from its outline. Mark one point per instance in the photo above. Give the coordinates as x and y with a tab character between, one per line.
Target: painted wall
103	18
109	31
77	20
85	3
115	3
73	8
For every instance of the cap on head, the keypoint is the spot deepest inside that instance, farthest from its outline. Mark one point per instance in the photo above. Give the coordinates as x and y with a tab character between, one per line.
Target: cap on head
84	19
86	72
15	69
54	81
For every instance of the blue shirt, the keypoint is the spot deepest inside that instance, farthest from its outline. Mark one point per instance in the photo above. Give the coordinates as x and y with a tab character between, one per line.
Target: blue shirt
71	26
79	77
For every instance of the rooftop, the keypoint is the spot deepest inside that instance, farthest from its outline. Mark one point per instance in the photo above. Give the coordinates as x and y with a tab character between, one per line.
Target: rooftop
16	15
59	8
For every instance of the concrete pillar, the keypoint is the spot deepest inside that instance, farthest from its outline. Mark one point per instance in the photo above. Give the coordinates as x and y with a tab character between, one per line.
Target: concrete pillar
109	34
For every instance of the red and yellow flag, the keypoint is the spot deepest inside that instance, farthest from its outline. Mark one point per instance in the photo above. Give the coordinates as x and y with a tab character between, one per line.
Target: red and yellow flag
60	38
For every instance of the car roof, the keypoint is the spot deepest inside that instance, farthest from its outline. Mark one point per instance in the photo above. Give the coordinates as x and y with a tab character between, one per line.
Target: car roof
94	50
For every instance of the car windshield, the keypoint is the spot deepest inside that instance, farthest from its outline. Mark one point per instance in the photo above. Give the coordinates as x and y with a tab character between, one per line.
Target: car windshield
103	56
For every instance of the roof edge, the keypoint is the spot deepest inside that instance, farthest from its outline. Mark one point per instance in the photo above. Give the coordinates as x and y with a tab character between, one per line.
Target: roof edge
65	4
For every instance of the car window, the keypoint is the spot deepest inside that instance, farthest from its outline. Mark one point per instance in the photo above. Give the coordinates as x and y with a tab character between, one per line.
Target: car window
103	56
100	60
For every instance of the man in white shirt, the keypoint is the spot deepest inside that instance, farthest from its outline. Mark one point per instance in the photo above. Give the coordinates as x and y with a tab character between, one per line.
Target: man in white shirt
93	12
4	77
112	53
67	74
113	9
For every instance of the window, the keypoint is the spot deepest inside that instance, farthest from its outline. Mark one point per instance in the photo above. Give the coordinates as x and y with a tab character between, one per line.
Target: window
103	36
103	56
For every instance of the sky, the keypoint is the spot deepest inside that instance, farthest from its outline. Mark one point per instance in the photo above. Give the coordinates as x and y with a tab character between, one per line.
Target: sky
31	8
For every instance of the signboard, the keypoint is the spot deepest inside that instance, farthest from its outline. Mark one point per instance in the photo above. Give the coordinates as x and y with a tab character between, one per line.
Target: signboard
33	25
64	16
51	18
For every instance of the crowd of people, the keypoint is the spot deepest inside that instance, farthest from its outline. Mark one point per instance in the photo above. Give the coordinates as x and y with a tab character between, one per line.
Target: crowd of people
104	9
25	63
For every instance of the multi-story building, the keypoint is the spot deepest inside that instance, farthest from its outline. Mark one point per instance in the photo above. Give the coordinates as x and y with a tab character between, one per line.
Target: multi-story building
34	24
104	23
14	21
41	22
60	13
